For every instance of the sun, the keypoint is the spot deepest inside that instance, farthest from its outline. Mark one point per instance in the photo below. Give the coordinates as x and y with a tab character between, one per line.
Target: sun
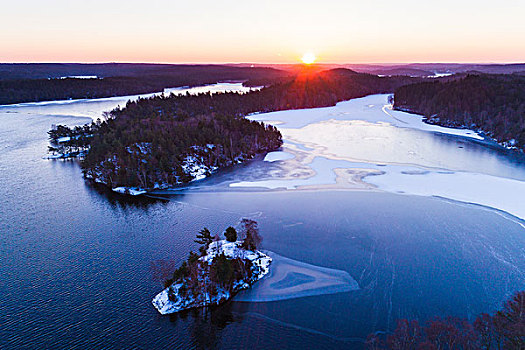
308	58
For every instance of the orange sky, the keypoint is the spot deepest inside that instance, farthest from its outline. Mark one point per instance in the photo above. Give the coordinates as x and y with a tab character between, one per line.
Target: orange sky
262	31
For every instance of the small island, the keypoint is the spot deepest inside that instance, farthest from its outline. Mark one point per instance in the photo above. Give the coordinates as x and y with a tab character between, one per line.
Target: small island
215	274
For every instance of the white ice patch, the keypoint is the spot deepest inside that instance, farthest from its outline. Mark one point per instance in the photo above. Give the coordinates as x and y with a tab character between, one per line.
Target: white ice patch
496	192
290	279
333	145
373	109
324	175
278	155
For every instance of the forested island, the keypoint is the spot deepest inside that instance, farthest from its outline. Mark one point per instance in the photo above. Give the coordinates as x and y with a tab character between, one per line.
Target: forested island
493	104
164	141
215	274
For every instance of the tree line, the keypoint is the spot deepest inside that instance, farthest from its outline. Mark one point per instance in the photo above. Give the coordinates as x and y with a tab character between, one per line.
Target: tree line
504	329
17	84
494	104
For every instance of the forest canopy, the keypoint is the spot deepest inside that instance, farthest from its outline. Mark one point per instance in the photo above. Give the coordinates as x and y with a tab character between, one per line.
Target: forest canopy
494	104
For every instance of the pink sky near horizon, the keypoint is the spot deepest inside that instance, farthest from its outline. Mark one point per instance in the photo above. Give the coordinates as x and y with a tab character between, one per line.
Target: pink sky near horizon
161	31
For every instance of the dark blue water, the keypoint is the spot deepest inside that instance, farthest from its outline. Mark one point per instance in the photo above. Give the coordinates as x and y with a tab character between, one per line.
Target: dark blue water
76	261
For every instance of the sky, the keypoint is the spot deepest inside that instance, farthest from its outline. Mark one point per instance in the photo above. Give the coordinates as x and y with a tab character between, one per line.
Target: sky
271	31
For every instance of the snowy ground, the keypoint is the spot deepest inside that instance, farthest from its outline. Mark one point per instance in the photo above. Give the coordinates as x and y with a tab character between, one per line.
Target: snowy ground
132	191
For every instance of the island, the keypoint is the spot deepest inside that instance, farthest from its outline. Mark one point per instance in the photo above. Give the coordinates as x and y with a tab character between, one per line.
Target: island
222	268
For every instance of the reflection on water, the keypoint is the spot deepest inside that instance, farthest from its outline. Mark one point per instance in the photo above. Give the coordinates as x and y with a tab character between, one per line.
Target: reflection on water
76	259
119	201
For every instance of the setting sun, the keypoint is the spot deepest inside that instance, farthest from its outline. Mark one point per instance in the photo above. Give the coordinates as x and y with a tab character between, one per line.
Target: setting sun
308	58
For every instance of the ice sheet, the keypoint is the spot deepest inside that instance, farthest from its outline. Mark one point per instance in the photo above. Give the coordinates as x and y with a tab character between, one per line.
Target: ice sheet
290	279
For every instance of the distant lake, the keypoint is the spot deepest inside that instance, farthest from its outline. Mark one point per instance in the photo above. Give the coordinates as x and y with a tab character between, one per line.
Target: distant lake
386	201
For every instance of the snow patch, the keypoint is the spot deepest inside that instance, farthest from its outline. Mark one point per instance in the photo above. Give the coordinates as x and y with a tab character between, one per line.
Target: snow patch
278	155
132	191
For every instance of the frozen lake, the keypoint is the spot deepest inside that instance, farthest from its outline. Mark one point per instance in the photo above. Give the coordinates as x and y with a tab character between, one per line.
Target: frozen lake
349	205
364	142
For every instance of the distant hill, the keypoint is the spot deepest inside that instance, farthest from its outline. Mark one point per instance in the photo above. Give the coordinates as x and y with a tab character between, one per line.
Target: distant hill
492	103
412	72
429	69
17	71
410	69
45	82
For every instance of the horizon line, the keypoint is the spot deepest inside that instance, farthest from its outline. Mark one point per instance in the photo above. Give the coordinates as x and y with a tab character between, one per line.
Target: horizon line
268	63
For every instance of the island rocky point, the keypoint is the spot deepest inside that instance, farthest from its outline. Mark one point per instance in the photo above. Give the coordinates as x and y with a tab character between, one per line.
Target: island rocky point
224	268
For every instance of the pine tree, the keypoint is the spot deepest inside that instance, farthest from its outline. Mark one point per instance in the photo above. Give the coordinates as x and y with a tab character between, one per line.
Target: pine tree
204	237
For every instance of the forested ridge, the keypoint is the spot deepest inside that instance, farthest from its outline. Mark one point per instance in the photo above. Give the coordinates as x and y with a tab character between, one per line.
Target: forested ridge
129	80
168	140
494	104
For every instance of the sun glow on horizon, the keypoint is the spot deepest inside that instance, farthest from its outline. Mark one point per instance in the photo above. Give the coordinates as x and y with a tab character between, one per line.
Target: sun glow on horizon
308	58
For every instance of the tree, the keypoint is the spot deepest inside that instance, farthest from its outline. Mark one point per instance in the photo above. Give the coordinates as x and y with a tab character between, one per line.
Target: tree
222	270
407	335
250	232
230	234
373	342
510	322
484	326
504	330
204	237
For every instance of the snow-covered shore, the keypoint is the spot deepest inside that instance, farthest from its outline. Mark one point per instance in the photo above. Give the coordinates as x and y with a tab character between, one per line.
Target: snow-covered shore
132	191
194	167
172	300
